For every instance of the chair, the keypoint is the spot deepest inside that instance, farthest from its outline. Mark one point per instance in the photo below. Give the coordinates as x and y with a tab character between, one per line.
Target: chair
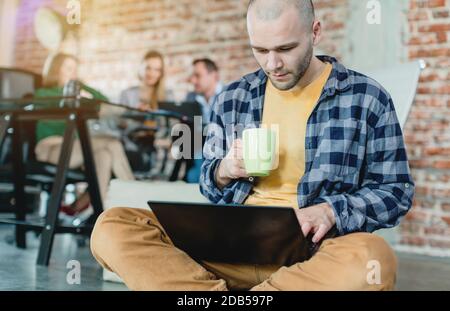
19	84
168	116
401	82
14	83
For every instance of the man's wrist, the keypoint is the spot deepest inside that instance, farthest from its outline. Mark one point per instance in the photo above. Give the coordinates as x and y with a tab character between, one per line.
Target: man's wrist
329	212
220	179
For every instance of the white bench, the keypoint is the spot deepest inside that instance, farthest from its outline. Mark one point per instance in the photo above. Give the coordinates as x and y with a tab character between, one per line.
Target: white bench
135	194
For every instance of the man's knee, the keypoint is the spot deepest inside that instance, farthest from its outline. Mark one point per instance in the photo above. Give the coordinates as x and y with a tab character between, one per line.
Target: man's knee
378	261
105	232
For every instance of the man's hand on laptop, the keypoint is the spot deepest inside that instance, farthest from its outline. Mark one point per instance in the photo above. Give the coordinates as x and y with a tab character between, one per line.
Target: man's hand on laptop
316	219
232	166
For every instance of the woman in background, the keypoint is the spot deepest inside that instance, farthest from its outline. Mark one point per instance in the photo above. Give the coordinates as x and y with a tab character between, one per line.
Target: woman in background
108	152
153	134
152	88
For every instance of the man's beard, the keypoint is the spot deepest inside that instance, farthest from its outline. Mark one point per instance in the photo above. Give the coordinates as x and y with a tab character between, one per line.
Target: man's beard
301	70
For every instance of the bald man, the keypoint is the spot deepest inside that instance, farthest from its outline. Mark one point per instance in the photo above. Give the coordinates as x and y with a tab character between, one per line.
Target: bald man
342	167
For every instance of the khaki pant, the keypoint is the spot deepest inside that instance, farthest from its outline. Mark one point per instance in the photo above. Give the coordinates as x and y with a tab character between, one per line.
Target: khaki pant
132	243
109	157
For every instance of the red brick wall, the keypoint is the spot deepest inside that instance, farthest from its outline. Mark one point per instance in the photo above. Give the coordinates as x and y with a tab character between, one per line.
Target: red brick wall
114	34
428	129
29	54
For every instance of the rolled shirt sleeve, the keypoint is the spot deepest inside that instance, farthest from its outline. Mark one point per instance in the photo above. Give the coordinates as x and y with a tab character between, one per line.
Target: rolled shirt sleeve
387	190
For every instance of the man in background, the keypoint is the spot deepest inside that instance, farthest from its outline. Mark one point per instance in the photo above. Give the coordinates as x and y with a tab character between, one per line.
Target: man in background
207	85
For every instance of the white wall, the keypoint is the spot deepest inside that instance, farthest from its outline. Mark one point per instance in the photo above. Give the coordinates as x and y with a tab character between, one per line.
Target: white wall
372	46
8	10
377	46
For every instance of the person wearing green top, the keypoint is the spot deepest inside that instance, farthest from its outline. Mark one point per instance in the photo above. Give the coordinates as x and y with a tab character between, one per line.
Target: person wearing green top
108	152
47	128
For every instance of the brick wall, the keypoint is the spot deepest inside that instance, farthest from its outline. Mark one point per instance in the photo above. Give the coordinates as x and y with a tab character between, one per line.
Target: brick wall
427	133
114	34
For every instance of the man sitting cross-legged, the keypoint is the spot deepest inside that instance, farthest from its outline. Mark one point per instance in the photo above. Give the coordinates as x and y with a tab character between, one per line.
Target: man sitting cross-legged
342	164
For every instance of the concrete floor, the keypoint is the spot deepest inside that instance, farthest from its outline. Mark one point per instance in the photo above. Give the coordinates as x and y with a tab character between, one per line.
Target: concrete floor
18	269
19	272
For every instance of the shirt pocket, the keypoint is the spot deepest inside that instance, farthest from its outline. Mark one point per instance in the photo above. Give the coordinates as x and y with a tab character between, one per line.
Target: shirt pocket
340	149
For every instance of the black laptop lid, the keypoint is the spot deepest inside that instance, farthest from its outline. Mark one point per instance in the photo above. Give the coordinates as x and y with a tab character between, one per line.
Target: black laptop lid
186	108
234	233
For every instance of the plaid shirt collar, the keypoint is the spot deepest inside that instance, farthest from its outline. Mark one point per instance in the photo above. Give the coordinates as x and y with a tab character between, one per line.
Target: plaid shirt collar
339	81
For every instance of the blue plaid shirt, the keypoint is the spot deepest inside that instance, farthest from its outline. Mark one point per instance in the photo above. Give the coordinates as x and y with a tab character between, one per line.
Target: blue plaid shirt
356	159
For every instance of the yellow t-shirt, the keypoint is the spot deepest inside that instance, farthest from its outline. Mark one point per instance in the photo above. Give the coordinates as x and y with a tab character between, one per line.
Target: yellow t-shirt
289	112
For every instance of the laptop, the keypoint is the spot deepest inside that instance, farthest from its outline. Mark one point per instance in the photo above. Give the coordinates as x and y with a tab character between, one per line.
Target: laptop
186	108
234	233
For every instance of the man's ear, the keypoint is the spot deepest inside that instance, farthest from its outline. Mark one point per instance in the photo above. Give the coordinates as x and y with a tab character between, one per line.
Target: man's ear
216	76
316	32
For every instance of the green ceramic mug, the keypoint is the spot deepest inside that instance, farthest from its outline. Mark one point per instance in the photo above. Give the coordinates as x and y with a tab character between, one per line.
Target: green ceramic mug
259	151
